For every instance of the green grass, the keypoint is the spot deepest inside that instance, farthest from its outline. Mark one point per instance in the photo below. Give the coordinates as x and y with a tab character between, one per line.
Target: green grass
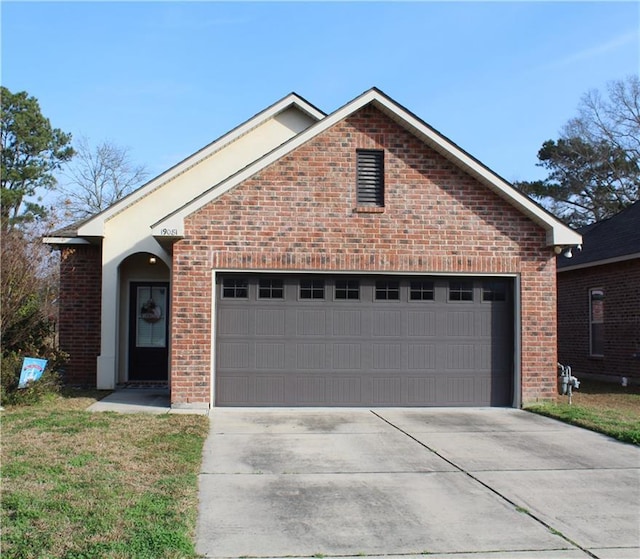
605	408
79	485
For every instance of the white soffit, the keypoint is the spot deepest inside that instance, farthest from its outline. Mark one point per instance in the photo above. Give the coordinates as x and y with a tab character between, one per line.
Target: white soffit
95	226
65	241
172	226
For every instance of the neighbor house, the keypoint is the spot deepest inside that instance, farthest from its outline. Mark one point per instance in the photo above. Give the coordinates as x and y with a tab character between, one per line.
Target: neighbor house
599	300
358	258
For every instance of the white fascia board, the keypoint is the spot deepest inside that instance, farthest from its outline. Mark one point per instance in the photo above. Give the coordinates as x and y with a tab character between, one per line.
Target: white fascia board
95	226
173	224
563	237
557	232
65	241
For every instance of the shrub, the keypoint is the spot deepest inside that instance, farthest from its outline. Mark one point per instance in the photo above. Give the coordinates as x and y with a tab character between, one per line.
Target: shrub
27	309
10	394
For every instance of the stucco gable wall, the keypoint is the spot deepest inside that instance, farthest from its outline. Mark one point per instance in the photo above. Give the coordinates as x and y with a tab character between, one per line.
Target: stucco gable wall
125	228
298	214
129	230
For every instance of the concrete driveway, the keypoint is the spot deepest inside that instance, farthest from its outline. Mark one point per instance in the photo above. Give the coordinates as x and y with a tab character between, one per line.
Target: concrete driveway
450	483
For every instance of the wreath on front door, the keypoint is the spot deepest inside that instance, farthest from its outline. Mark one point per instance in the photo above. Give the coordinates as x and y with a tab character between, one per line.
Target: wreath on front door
150	312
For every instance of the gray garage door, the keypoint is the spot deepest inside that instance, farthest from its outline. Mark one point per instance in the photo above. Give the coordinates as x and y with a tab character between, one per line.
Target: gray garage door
363	341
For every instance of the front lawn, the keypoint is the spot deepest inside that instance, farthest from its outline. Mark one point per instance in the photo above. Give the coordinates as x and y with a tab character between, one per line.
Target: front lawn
604	407
86	485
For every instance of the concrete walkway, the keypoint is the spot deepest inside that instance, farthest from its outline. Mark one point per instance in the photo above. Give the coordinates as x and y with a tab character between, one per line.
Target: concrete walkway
387	483
140	400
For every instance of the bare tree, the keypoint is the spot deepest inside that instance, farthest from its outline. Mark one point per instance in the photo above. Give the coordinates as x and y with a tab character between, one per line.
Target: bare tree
98	177
614	119
594	167
28	291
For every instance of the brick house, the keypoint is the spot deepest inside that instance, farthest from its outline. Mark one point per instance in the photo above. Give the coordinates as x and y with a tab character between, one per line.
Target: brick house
599	300
358	258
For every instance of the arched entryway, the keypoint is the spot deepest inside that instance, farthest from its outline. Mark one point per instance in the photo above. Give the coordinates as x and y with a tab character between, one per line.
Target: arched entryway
144	319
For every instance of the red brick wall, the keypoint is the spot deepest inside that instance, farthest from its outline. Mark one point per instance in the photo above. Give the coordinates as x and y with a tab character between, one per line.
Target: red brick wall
620	282
79	324
298	214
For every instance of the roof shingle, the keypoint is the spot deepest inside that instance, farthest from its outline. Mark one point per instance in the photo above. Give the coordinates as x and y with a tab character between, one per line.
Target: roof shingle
615	237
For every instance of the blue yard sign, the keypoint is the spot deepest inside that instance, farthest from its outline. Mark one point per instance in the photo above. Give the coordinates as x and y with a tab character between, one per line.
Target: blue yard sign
32	370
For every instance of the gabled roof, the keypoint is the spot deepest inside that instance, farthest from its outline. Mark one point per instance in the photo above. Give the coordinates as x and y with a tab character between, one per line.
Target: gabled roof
607	241
67	235
94	226
557	233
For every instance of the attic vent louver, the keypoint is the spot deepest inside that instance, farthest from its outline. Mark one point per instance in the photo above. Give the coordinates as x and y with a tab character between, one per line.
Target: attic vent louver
370	180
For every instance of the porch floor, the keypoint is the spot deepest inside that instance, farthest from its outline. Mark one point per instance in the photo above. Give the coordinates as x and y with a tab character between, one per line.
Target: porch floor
140	399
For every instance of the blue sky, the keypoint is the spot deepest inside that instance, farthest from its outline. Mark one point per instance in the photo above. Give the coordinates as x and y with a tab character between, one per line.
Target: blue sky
166	78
